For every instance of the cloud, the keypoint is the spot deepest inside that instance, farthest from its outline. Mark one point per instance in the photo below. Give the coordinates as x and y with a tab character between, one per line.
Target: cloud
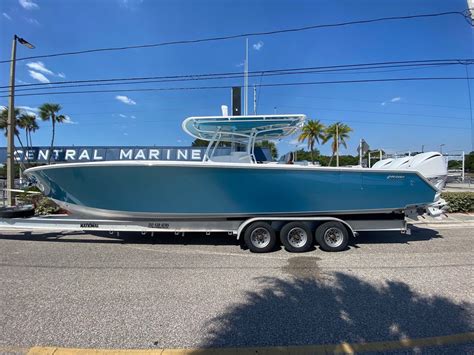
29	110
38	76
257	46
393	99
239	65
125	133
125	99
68	120
122	115
32	21
28	4
132	116
130	4
21	81
6	16
39	66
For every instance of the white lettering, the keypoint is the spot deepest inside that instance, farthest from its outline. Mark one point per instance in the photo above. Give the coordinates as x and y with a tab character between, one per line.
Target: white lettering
154	154
43	154
96	156
56	153
18	154
140	154
84	155
196	154
168	154
127	155
70	154
183	154
30	154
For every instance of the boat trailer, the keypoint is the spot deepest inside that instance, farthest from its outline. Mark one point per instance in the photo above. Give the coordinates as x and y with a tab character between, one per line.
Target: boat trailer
260	234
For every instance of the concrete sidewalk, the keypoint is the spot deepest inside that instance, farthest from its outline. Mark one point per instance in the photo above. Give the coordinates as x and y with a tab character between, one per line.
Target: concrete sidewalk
451	220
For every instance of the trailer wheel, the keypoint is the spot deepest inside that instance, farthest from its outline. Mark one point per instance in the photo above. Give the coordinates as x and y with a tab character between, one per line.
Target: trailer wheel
17	211
260	237
332	236
296	237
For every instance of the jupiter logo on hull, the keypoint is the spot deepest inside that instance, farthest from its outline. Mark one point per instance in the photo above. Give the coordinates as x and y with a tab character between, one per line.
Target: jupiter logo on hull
389	177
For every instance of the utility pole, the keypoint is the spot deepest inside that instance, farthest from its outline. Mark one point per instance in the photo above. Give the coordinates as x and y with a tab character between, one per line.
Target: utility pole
337	144
11	123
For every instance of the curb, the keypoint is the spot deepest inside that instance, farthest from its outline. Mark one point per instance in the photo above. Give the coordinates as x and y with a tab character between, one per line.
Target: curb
343	348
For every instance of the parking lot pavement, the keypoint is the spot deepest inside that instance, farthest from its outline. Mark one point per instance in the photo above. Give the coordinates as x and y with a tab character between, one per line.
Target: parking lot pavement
99	291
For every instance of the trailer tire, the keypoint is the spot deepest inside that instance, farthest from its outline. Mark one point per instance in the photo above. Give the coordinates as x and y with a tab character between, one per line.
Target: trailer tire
17	212
332	236
296	237
260	237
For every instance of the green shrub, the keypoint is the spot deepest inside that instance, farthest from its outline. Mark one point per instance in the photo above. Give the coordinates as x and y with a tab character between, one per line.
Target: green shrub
43	205
459	201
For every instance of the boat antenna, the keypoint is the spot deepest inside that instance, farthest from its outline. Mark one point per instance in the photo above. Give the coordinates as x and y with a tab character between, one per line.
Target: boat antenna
254	99
246	78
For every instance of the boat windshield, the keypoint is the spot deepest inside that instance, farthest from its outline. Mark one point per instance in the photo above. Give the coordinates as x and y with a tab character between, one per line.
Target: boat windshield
241	130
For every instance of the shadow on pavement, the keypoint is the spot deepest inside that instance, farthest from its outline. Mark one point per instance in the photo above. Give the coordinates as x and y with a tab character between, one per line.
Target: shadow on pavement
317	308
124	238
418	234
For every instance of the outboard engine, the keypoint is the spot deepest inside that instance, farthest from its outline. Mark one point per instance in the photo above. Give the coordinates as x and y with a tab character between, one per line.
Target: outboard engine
399	163
432	166
381	164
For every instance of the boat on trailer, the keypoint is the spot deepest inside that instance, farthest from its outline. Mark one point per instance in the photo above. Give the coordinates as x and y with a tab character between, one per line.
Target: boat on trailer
252	198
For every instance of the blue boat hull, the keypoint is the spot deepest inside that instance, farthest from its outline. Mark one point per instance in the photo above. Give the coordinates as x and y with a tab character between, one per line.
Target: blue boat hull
207	190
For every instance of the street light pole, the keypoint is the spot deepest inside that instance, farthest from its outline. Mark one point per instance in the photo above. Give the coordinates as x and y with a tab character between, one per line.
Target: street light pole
11	125
11	122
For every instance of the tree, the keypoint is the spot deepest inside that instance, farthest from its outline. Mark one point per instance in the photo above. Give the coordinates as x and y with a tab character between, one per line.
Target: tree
27	121
270	145
339	133
312	132
50	112
469	162
4	123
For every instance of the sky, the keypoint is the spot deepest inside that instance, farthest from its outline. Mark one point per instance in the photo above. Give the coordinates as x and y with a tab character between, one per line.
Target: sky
394	116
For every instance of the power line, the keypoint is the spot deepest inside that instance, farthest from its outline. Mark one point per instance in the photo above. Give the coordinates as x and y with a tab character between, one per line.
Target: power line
327	120
377	112
230	86
465	14
200	77
377	102
322	69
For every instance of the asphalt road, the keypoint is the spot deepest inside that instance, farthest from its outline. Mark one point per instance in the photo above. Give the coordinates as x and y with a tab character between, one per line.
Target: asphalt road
80	290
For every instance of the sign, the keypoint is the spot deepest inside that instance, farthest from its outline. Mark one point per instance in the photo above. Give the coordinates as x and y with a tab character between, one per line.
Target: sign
364	146
87	153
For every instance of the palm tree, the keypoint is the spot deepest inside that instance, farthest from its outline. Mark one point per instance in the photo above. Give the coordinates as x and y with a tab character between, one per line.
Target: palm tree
28	122
4	123
48	112
312	132
338	132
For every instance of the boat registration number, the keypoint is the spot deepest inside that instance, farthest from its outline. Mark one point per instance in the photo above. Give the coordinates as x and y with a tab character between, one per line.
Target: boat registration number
158	225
